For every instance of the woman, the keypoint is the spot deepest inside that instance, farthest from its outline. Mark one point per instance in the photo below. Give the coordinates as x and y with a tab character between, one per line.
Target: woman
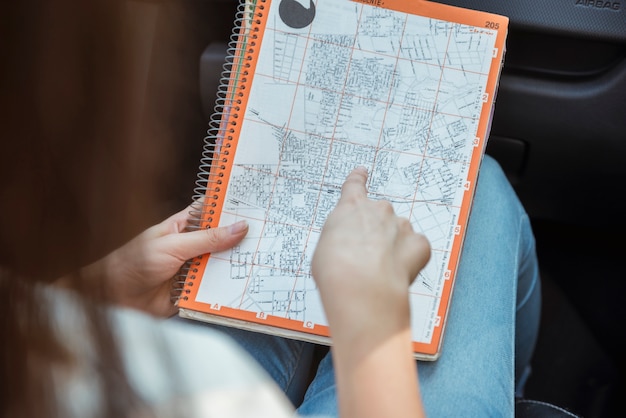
79	179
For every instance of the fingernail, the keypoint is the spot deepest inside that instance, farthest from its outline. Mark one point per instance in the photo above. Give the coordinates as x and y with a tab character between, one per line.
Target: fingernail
238	227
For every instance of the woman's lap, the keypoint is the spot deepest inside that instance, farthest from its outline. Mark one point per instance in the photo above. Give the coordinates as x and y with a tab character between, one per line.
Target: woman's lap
476	372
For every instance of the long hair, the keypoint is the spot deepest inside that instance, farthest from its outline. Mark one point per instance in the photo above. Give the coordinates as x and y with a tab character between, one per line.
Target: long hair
78	177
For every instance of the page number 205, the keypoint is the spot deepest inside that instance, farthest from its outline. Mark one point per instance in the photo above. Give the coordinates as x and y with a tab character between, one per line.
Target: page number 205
492	25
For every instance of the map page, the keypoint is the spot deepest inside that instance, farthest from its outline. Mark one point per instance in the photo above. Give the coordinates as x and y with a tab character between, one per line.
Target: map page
403	88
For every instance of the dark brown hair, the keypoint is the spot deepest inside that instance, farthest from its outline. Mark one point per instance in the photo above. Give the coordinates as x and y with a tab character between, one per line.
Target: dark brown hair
78	176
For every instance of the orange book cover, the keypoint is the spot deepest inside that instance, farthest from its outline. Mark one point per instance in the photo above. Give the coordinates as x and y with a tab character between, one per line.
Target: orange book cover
315	88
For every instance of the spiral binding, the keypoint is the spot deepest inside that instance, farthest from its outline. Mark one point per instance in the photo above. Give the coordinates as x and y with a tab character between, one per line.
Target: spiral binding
215	153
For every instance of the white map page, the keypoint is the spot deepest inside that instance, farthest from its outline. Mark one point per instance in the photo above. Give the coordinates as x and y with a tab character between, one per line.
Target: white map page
397	93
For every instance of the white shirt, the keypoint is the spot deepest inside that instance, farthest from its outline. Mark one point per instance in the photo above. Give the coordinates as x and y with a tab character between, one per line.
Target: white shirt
175	368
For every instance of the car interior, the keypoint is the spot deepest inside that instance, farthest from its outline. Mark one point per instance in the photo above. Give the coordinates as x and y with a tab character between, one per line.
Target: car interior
558	130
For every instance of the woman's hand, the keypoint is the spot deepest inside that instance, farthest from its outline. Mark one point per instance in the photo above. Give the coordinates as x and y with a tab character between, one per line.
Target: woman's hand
139	274
364	262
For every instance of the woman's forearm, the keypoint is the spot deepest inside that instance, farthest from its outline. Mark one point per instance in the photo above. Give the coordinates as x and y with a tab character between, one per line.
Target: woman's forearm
379	382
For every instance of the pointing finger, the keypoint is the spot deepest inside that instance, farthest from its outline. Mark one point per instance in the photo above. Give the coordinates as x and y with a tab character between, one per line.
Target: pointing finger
354	186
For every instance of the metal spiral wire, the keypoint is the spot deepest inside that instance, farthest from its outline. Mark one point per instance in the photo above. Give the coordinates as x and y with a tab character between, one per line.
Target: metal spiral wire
216	153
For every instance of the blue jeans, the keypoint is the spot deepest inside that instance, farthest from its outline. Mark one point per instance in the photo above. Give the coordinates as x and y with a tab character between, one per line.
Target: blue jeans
492	323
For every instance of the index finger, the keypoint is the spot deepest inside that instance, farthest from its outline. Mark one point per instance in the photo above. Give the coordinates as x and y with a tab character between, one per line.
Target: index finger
181	220
354	186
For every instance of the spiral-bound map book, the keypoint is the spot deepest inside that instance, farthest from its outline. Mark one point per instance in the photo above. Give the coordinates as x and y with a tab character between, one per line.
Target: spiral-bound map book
312	89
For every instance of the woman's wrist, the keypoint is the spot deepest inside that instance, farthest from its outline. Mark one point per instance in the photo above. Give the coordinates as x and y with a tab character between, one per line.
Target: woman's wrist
88	277
369	372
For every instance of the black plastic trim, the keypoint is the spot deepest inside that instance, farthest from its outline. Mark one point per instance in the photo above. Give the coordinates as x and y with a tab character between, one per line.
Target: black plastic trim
590	19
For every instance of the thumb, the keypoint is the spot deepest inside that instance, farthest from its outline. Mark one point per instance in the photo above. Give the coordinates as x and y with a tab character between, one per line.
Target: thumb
195	243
